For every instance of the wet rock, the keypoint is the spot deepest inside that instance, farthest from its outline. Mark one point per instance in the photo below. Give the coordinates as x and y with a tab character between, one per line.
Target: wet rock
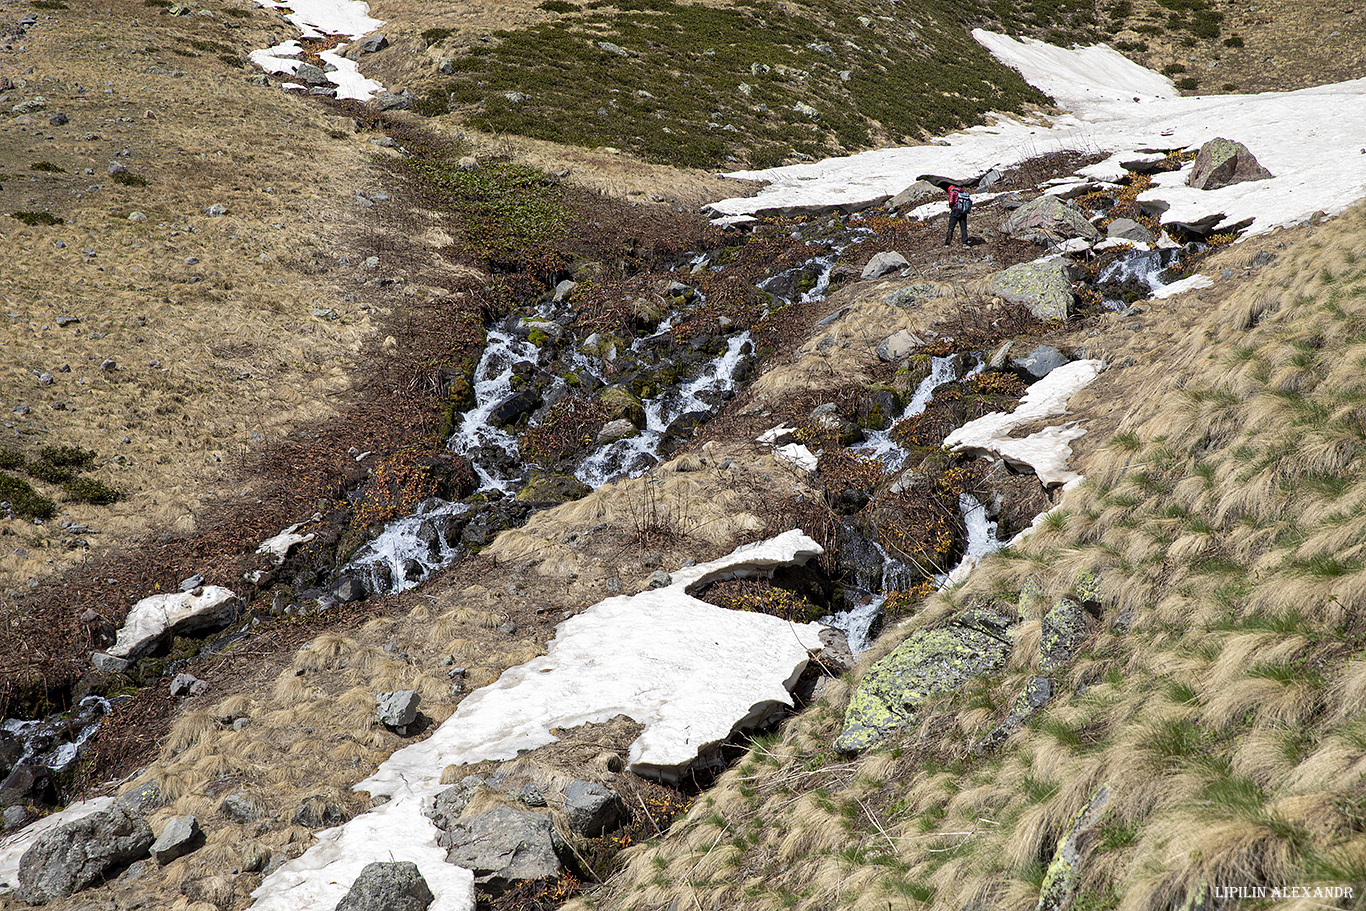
82	853
349	589
388	886
928	664
1128	229
880	406
1043	287
1047	220
591	809
619	429
882	263
187	685
827	418
1223	162
181	836
317	812
26	783
397	709
504	846
686	424
550	487
1038	363
510	409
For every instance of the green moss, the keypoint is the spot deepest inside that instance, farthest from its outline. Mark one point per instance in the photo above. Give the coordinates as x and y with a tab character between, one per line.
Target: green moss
538	338
47	166
129	179
37	218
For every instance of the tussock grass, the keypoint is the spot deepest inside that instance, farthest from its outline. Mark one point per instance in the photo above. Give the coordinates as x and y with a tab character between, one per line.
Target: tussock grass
1220	698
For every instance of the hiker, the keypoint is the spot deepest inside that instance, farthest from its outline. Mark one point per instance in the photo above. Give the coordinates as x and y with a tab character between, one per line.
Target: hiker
960	204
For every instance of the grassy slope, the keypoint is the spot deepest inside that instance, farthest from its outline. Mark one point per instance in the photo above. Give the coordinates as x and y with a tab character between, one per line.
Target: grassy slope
1220	693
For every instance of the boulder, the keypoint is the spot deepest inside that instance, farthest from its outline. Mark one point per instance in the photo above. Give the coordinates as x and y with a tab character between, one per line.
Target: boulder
1038	363
898	346
187	685
181	836
513	407
140	798
619	429
449	804
1128	229
310	74
317	811
349	589
1049	219
82	853
1065	870
504	846
1064	626
108	664
371	43
397	709
828	420
389	101
240	807
551	487
1043	287
392	886
623	405
1223	162
592	809
922	191
881	264
925	666
183	613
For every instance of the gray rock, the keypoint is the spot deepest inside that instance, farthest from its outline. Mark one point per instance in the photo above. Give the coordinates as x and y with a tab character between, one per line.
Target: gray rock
144	797
620	429
827	417
507	628
216	211
911	295
1040	362
191	583
922	191
108	663
554	487
990	179
835	657
1047	220
898	346
660	579
241	808
59	120
998	358
181	836
82	853
531	796
1064	626
317	811
591	809
1065	871
1034	697
255	856
611	48
397	709
371	43
1128	229
504	846
349	589
449	804
446	66
806	111
392	886
563	290
1222	162
13	817
925	666
187	685
309	74
389	101
1043	287
882	263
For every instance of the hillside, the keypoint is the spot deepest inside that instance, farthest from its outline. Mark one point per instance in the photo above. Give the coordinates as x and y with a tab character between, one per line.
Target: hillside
494	390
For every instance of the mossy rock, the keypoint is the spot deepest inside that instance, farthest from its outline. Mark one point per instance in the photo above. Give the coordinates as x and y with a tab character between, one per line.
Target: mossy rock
551	487
624	405
910	375
927	665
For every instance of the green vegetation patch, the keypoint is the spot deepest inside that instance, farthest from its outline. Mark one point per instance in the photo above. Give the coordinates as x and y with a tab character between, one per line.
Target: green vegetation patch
697	86
129	179
48	167
89	490
24	500
37	218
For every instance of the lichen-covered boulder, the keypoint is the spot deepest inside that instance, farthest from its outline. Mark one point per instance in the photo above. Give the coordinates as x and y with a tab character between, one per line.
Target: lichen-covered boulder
1223	162
1064	872
1047	220
82	853
928	664
1064	626
1043	287
504	846
623	405
388	886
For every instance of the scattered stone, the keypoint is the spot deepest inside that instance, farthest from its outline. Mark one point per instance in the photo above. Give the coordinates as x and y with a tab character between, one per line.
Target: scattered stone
187	685
137	216
59	120
371	43
397	709
1064	627
389	101
806	111
108	365
660	579
1065	870
216	211
1047	220
507	628
553	488
349	589
531	796
255	856
1223	162
140	799
591	809
1039	363
191	583
504	846
922	191
881	264
898	346
181	836
391	886
310	74
109	664
620	429
317	812
82	853
1128	229
611	48
240	807
1036	695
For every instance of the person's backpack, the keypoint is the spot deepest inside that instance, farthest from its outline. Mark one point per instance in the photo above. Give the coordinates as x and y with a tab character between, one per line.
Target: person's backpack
962	202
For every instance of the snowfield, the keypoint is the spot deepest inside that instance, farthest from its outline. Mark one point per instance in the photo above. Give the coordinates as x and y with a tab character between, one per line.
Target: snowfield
1313	141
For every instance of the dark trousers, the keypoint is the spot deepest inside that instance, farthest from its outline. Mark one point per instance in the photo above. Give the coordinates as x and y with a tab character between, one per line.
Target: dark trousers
960	219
